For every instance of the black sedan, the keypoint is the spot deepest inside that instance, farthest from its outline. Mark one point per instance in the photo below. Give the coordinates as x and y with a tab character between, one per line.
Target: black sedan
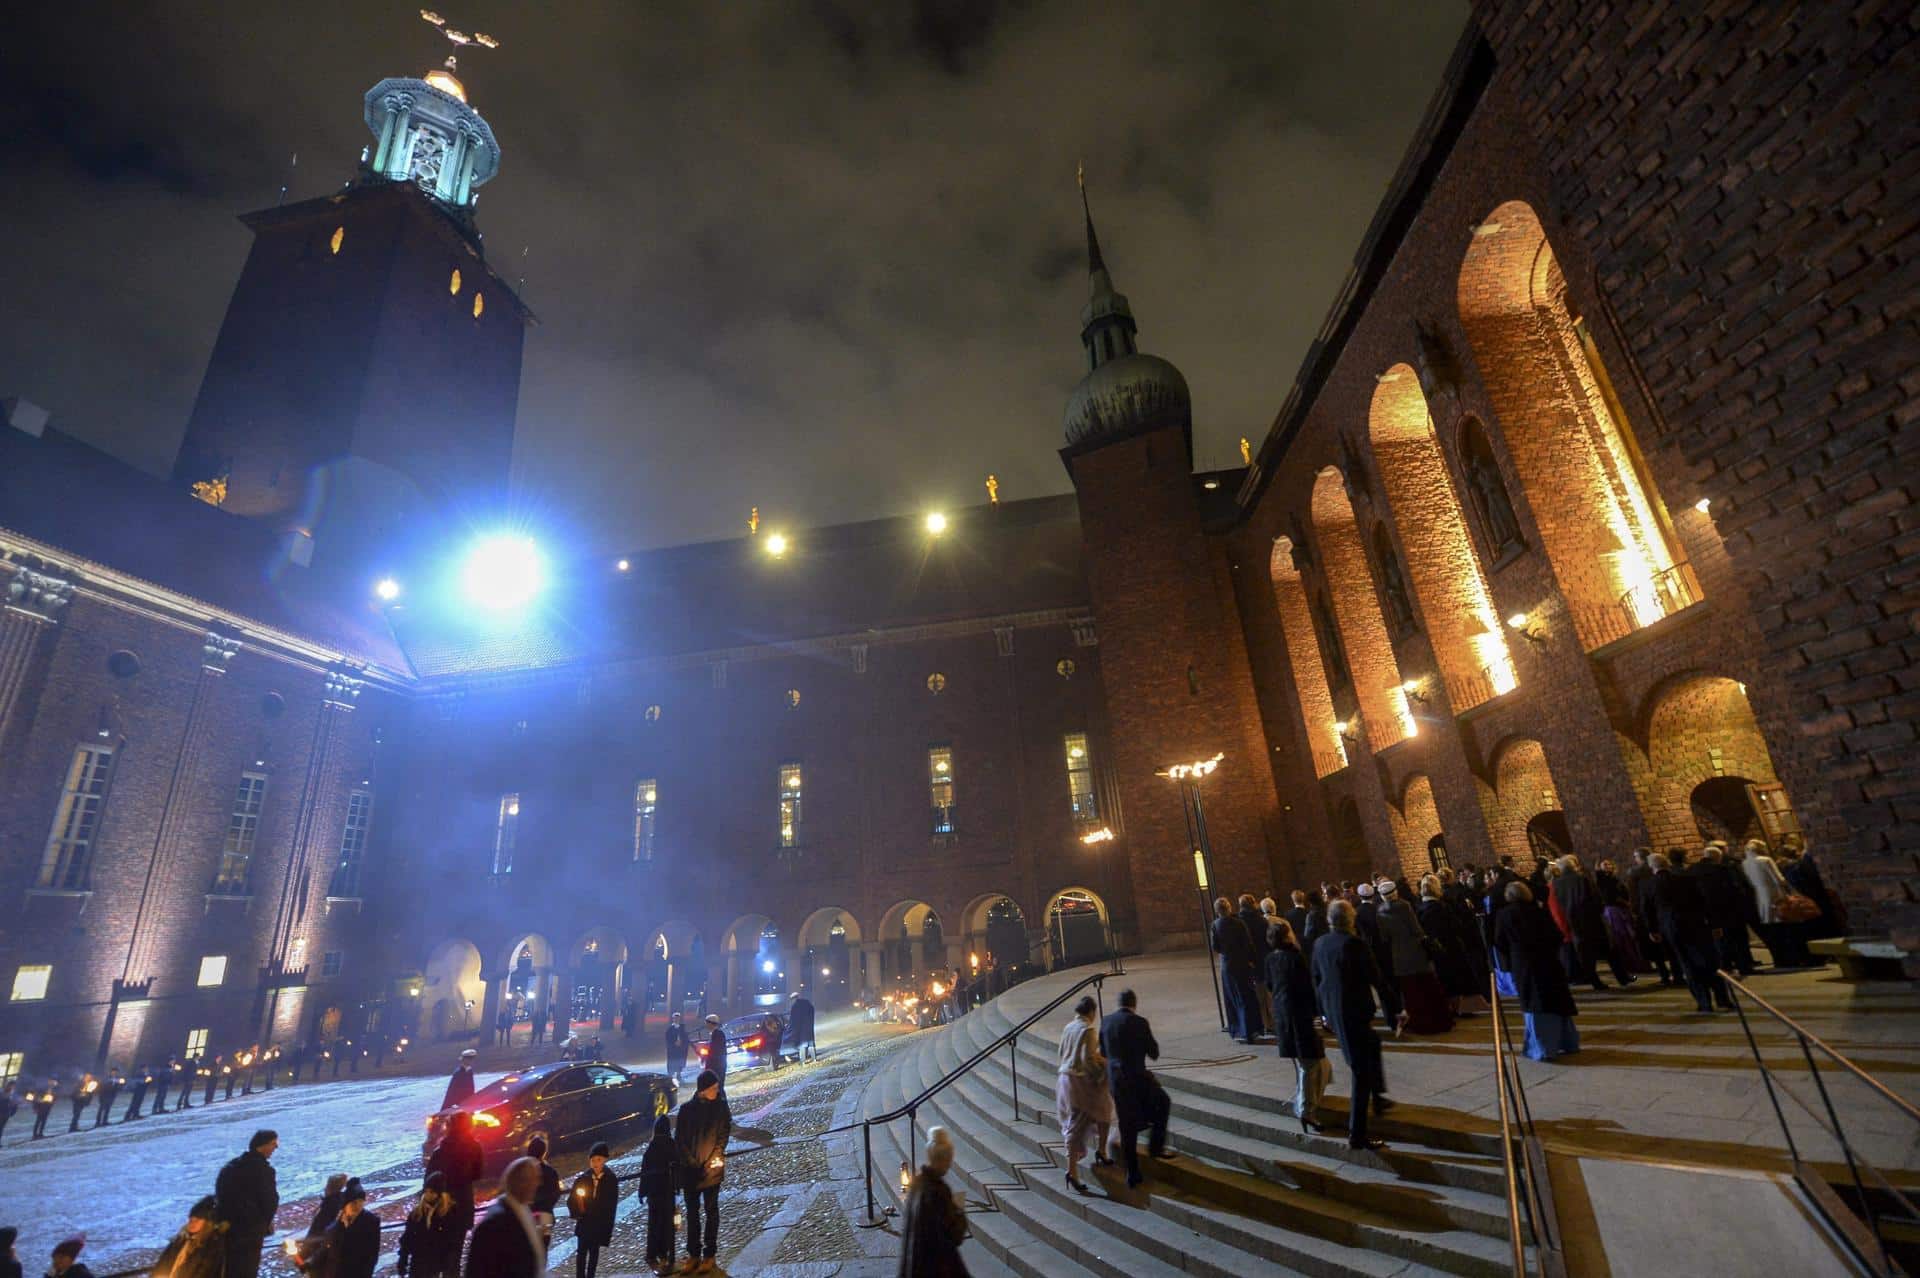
571	1103
748	1042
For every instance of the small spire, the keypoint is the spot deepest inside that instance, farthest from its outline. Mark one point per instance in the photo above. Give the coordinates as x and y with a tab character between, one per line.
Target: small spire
1095	264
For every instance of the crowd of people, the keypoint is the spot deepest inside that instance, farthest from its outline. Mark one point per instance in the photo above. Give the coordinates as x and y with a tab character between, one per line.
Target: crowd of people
1416	957
174	1082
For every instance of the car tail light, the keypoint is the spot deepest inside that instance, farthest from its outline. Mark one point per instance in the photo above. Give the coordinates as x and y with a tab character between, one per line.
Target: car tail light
751	1043
703	1051
485	1118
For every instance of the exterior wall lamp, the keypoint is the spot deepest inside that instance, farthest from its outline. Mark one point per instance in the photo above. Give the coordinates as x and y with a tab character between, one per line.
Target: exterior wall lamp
1411	690
1529	628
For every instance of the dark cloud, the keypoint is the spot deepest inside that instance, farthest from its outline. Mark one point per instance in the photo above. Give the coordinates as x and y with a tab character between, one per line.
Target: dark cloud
822	258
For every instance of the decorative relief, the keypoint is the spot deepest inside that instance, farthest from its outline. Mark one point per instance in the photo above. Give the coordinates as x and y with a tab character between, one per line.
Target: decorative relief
719	671
216	651
859	652
343	689
1084	635
1003	640
38	594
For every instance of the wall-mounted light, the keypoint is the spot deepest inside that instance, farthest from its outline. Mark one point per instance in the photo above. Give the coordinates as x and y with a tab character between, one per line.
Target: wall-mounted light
776	544
1411	690
1200	869
936	523
621	565
1527	626
1195	770
1703	505
1343	728
1101	835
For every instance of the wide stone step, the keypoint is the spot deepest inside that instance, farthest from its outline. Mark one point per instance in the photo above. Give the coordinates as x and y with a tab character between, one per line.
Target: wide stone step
1309	1229
1105	1233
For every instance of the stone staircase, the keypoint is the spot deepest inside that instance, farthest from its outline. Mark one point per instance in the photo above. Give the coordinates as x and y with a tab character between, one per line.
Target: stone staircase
1249	1194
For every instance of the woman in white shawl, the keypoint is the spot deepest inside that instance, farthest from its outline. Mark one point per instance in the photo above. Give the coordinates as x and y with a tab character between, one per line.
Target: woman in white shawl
1080	1092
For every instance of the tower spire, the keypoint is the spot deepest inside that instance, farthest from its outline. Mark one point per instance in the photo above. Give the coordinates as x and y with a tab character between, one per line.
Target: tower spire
1096	265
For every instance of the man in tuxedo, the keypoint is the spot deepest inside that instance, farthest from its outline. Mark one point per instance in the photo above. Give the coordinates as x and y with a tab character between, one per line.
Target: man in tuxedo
1344	978
1682	921
1139	1101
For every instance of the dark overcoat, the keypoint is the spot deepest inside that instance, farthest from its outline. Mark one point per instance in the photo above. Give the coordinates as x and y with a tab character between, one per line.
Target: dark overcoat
592	1203
1293	1007
700	1132
1344	975
501	1248
931	1230
1529	947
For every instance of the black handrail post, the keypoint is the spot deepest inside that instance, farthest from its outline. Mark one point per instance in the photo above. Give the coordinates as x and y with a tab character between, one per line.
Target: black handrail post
1766	1075
1846	1148
866	1141
1013	1071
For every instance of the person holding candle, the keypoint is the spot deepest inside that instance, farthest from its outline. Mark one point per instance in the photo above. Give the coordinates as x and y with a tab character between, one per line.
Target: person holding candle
9	1106
701	1134
82	1094
430	1243
42	1103
351	1246
547	1197
199	1250
595	1196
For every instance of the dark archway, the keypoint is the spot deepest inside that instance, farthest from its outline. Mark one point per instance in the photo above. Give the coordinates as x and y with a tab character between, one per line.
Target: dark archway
1350	839
1548	835
1723	809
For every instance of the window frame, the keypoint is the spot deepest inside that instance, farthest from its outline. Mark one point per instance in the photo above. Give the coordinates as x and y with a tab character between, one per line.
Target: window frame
197	1043
506	832
220	972
332	962
355	830
791	778
242	836
66	863
940	788
25	973
646	795
1084	803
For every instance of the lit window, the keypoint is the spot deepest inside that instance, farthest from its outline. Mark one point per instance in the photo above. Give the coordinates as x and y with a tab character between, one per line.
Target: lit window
453	285
243	826
644	794
339	234
69	854
30	982
197	1043
10	1063
297	955
330	963
479	304
940	785
1080	778
213	969
790	805
353	845
506	834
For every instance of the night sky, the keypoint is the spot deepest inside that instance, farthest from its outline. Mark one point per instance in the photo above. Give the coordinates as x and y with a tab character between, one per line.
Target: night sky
821	258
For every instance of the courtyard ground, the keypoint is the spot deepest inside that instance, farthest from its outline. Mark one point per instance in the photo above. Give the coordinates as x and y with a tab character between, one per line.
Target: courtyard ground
128	1186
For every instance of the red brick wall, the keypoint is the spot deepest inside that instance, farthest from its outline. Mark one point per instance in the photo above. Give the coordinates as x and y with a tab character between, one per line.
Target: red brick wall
1744	183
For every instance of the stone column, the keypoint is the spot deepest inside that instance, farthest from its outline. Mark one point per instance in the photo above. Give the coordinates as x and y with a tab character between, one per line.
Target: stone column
400	147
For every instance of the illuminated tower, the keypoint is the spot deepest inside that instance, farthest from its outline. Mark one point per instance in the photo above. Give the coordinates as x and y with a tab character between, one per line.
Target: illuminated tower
1172	657
368	368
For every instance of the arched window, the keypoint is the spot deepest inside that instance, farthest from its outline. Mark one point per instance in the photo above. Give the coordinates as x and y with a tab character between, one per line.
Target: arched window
1356	624
1393	583
1487	493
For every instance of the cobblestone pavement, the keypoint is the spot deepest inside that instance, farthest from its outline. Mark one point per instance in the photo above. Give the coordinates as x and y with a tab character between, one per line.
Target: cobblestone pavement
128	1186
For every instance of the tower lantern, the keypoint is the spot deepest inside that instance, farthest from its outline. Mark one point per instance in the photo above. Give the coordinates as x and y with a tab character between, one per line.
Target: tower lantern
427	133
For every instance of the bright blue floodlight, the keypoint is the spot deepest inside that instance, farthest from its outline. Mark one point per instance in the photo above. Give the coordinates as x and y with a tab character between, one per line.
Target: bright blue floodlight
503	572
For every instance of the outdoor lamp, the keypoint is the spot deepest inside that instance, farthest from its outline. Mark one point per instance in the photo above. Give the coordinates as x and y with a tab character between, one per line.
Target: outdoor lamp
387	589
906	1176
936	523
503	571
1200	868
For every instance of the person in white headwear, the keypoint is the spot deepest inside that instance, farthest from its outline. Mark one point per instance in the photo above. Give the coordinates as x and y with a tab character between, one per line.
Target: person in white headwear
932	1222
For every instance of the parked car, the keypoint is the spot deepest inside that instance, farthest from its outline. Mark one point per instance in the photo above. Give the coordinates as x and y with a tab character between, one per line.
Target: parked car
746	1042
571	1103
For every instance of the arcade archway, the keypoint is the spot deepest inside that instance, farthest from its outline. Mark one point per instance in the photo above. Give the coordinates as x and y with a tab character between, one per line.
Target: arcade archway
1078	929
452	993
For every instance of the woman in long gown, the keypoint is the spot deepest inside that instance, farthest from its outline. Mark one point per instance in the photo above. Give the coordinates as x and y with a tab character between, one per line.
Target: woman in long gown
1528	946
1081	1099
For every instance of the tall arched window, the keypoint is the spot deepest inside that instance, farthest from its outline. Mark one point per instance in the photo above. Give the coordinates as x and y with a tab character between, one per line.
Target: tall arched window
1569	439
1487	490
1303	655
1393	583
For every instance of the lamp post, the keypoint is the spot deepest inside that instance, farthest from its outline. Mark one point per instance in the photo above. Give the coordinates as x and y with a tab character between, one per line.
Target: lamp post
1188	776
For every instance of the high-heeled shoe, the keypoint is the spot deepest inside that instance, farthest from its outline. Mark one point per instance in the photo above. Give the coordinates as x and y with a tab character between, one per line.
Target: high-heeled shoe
1077	1185
1101	1160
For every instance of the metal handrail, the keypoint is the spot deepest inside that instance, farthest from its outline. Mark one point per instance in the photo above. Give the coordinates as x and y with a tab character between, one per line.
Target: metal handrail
1507	1122
1009	1040
1824	1199
1517	1126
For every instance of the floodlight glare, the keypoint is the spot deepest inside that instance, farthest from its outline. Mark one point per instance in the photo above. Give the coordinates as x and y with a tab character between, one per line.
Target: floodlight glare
387	588
936	523
503	571
767	966
776	544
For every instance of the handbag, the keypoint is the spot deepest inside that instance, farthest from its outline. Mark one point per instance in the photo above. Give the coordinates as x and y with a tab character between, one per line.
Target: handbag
1795	908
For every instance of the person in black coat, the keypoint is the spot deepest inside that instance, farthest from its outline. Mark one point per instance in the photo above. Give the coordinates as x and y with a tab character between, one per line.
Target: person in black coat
547	1197
430	1241
932	1224
1455	940
460	1086
199	1250
800	1027
9	1105
1366	925
506	1243
592	1202
1126	1040
460	1162
43	1107
1290	980
142	1080
1681	920
717	1050
677	1046
1586	923
1731	908
249	1196
1254	920
700	1136
1639	892
1235	950
1528	943
350	1248
660	1186
1344	979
